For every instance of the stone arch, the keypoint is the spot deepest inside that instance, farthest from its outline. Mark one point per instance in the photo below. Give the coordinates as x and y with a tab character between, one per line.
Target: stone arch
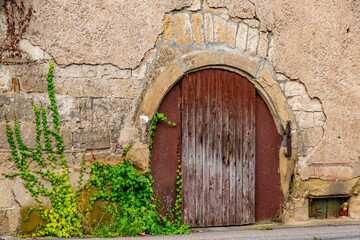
256	70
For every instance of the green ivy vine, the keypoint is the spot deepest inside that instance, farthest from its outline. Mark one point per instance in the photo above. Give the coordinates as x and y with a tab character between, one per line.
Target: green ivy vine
127	194
177	210
129	200
64	218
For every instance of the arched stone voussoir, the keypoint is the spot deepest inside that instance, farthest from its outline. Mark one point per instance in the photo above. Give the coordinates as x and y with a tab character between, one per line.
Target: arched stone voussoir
256	71
196	59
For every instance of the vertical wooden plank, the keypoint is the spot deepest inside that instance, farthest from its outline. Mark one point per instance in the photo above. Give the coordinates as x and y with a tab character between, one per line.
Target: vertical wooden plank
245	160
208	153
251	147
199	149
212	152
239	158
232	154
185	150
218	149
226	105
205	144
192	146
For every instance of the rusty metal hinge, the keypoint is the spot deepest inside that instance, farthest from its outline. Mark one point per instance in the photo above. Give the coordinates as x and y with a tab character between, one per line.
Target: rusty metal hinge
288	139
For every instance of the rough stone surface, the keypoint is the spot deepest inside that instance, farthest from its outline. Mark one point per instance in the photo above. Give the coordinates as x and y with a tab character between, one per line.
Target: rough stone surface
209	28
168	28
91	139
7	199
253	39
94	31
183	29
9	221
138	154
231	34
354	207
219	29
197	27
241	37
240	8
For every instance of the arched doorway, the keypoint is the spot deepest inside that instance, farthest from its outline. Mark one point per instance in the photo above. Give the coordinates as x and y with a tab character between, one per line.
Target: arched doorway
229	146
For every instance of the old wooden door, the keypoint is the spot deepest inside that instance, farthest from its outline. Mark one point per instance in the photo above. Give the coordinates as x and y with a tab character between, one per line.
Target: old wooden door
215	112
218	149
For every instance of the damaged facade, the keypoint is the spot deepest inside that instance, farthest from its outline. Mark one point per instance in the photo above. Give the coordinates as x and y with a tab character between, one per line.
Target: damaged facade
116	61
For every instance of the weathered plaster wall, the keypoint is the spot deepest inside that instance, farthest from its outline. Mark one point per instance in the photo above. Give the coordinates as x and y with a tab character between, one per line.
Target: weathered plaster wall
110	54
315	43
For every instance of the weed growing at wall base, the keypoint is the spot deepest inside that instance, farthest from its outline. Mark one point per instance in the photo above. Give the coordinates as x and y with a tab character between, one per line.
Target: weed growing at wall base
129	200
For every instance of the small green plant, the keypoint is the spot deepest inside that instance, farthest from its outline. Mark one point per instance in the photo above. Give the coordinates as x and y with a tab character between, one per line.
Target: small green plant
267	228
126	149
64	218
129	201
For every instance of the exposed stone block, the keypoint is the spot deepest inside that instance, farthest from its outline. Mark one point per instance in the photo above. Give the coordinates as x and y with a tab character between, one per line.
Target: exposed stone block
305	119
140	71
332	173
89	71
231	34
319	119
168	28
110	71
108	112
139	155
34	52
196	5
312	136
241	37
9	221
354	206
7	164
293	88
124	88
7	199
69	71
91	139
253	39
208	28
295	103
197	27
263	45
309	104
84	109
252	22
219	29
183	29
33	84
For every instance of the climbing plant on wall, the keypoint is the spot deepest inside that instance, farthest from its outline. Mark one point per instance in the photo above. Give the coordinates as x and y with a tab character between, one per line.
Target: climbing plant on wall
18	16
64	218
177	210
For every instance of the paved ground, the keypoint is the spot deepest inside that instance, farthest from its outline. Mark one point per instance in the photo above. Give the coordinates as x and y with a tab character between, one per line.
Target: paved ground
295	233
310	230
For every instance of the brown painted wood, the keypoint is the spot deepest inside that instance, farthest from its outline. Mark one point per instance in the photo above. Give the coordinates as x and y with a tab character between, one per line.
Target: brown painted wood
166	147
218	183
267	184
227	133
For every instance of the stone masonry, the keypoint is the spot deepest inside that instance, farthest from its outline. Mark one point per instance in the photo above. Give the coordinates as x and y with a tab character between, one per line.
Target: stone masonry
101	87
